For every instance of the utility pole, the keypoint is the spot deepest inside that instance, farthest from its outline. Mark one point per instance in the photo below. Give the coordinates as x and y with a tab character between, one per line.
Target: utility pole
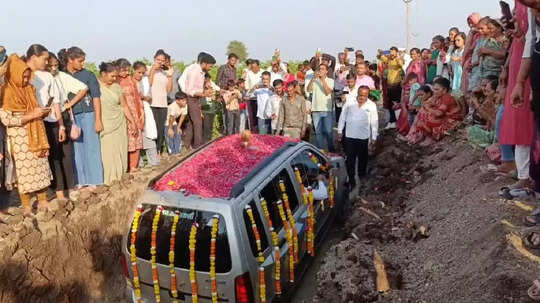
408	4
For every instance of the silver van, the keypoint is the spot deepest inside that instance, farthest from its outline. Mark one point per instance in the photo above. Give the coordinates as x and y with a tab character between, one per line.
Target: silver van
235	261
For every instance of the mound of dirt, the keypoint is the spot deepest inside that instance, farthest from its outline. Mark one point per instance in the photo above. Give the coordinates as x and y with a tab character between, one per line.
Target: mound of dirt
71	253
437	221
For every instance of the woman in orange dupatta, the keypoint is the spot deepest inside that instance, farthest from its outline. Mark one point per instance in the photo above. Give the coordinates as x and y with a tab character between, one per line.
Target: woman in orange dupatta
135	106
23	118
441	114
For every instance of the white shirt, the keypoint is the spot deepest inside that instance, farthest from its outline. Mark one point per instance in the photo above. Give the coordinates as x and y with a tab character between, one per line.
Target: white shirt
150	129
263	96
272	108
309	75
361	122
531	37
308	114
46	88
253	79
175	111
350	98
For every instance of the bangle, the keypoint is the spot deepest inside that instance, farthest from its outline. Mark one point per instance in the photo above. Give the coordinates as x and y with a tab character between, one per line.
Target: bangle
62	127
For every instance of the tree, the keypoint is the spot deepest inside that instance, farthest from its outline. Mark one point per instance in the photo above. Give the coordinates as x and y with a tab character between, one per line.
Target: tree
238	48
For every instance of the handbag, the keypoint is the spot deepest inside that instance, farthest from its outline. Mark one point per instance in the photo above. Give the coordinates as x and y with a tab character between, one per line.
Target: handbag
75	131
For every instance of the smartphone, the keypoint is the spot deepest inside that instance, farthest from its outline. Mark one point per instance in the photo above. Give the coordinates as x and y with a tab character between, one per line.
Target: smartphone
164	67
350	49
386	52
507	14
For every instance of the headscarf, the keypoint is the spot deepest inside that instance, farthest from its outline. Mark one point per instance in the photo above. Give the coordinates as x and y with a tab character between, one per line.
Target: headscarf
474	18
19	98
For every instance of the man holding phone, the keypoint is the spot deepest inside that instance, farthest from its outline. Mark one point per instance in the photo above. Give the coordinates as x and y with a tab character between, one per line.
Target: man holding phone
321	88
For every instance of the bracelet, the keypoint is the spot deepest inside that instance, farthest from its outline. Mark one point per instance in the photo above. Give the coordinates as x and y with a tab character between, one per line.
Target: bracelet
62	127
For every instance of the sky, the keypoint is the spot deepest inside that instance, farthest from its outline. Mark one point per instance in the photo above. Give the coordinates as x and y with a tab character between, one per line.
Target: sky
134	29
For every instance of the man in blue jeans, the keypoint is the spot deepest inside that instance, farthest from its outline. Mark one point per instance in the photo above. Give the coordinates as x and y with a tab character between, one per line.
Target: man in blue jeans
263	91
321	88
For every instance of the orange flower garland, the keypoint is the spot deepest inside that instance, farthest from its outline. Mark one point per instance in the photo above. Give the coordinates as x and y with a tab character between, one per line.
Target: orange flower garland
331	191
277	270
291	219
289	240
192	274
155	273
262	285
134	228
172	248
213	234
255	233
302	188
311	224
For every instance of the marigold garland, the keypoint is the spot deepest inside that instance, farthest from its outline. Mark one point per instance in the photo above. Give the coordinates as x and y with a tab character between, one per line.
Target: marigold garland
256	234
311	224
155	273
213	234
192	274
302	187
262	285
313	158
274	235
331	191
277	270
289	239
133	250
291	219
172	247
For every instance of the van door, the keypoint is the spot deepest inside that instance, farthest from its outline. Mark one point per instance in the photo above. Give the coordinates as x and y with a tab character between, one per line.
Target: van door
314	172
269	210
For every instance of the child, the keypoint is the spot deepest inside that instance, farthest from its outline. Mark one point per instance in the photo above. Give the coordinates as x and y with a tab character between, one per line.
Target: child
232	97
173	130
272	107
414	86
150	130
244	117
421	95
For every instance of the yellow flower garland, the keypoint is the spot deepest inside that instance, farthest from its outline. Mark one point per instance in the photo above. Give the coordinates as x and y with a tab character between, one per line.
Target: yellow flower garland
289	240
331	191
192	274
291	219
302	187
311	223
255	233
264	206
172	248
213	234
155	273
262	285
275	243
133	250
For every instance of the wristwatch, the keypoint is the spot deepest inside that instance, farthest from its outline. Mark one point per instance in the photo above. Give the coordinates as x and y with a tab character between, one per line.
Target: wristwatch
62	127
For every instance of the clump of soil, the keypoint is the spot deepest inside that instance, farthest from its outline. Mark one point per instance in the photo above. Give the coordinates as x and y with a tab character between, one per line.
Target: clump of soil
436	219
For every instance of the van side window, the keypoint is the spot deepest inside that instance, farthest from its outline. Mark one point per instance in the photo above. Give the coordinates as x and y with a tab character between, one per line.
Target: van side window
309	171
260	229
272	193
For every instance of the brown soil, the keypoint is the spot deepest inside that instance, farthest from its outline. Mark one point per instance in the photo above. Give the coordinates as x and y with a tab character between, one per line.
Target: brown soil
439	233
71	253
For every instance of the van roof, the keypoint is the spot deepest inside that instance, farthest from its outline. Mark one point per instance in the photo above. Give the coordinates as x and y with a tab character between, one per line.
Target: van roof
215	170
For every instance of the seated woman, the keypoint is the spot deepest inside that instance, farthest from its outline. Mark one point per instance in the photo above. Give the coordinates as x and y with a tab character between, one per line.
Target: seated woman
487	108
438	115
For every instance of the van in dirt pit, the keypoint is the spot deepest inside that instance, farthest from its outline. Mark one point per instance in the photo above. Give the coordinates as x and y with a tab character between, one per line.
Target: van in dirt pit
245	221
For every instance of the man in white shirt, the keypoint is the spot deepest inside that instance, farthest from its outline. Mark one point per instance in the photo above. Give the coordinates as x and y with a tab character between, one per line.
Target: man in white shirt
262	93
350	92
272	107
361	122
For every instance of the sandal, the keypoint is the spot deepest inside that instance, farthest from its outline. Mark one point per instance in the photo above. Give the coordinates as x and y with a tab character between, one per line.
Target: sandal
510	194
535	216
534	290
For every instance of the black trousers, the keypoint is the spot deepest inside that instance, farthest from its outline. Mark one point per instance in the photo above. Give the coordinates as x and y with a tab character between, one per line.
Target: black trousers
356	149
193	137
160	116
394	96
60	158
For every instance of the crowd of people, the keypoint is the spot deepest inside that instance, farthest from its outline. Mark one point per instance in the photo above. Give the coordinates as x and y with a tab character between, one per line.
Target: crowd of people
66	128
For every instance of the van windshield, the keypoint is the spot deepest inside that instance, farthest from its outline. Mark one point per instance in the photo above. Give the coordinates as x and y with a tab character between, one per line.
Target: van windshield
163	237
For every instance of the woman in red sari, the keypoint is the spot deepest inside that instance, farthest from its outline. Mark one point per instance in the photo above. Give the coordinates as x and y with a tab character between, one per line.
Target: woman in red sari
439	115
135	106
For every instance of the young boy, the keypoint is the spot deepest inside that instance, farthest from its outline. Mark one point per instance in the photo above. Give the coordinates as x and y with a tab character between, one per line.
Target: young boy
232	97
413	97
244	117
150	130
272	107
173	130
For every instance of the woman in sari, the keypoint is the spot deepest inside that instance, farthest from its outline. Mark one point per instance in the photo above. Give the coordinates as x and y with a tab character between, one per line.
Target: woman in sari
416	66
470	44
474	67
437	116
134	105
114	137
493	51
28	143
